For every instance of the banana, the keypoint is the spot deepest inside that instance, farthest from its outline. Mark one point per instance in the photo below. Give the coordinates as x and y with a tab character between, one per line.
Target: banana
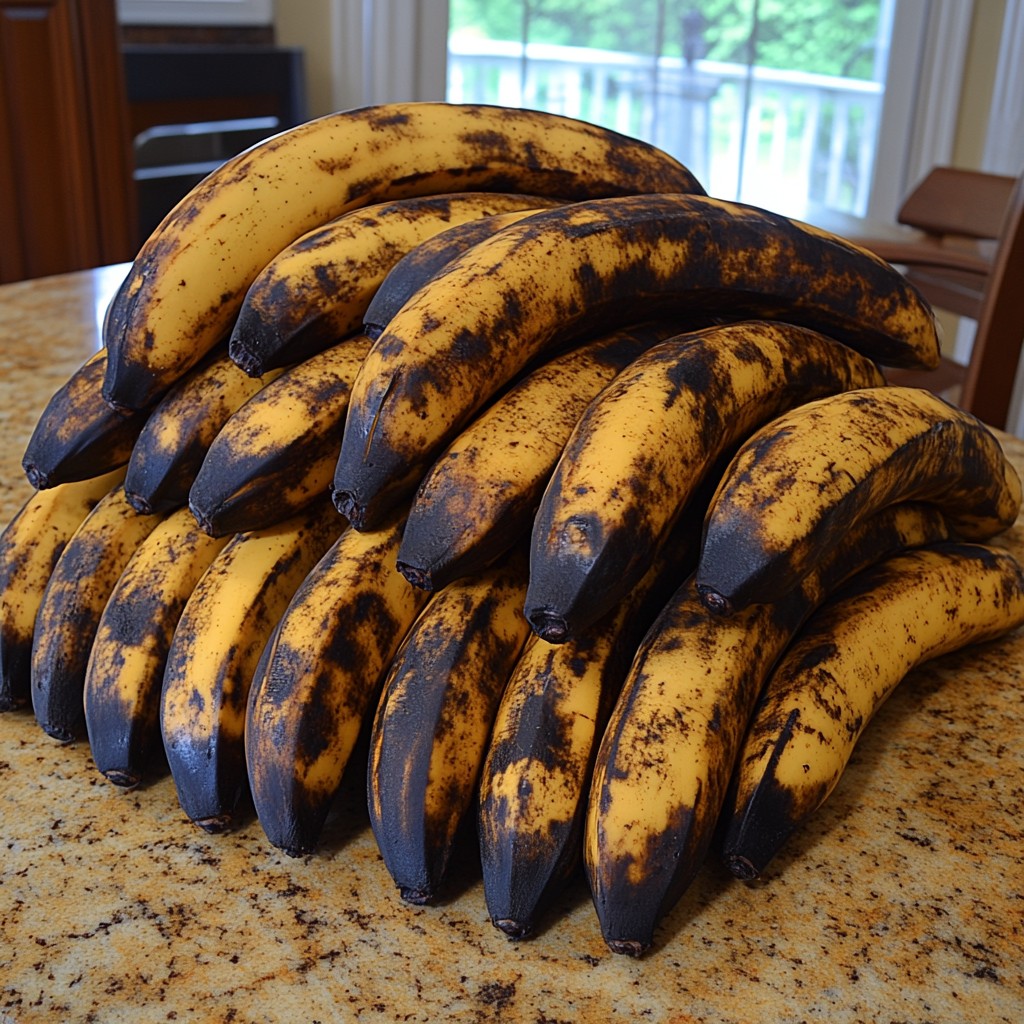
646	442
30	545
666	756
277	453
801	481
78	436
121	694
317	289
320	680
179	431
480	495
224	627
434	717
420	264
608	262
536	775
72	604
843	665
189	278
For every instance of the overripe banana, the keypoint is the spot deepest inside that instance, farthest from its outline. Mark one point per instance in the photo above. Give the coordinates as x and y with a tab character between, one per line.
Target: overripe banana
277	453
842	666
479	497
648	440
798	484
317	289
30	545
190	276
179	431
224	627
123	677
602	262
434	717
69	614
665	759
78	435
320	680
419	265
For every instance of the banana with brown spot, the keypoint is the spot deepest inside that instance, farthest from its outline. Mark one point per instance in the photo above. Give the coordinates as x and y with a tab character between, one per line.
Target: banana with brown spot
591	265
276	454
665	759
122	681
480	496
648	440
78	435
799	483
844	664
179	431
30	546
317	289
432	724
319	681
72	604
217	643
188	280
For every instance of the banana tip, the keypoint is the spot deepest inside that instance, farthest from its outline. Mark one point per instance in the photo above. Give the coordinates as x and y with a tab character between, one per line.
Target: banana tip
742	868
715	601
346	504
122	778
36	477
417	576
549	626
418	897
628	947
513	929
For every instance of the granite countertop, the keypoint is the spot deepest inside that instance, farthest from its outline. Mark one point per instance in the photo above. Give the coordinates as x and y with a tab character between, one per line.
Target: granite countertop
902	901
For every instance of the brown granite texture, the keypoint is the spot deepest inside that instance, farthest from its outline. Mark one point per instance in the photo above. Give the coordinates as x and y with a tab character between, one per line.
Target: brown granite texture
903	901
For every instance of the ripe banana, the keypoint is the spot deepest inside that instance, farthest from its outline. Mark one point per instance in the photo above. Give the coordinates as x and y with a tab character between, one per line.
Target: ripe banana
800	482
420	264
317	289
69	614
217	643
320	680
179	431
434	717
536	775
78	436
277	453
190	276
122	680
649	439
843	665
30	545
479	497
666	756
602	262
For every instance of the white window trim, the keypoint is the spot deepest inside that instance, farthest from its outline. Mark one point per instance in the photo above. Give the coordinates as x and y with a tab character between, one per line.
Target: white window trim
195	12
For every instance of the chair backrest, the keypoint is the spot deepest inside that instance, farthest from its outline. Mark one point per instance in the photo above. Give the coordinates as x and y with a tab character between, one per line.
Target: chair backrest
952	201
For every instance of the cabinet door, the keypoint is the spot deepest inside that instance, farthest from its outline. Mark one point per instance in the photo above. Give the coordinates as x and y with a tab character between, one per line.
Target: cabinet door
66	190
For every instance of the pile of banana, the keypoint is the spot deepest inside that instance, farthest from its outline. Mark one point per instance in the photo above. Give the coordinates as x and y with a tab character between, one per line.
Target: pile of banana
487	437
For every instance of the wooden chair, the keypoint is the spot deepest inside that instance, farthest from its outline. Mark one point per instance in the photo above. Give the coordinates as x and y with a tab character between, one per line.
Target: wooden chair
963	247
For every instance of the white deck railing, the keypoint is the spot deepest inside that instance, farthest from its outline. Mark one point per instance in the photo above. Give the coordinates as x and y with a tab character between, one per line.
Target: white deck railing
809	137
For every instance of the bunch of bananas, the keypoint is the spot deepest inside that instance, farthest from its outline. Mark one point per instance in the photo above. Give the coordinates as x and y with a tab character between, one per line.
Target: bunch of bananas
486	435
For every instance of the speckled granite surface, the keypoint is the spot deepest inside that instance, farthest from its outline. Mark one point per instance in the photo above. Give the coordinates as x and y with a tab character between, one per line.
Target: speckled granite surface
903	901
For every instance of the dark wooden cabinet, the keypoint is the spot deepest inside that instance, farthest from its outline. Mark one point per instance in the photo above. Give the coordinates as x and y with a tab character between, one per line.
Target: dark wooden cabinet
67	198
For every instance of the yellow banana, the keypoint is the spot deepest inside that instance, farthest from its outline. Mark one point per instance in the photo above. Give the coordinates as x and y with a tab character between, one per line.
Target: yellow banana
480	495
30	545
420	264
601	262
69	614
223	629
317	289
190	276
123	677
319	681
666	756
179	431
801	481
434	717
78	436
277	453
649	439
843	665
